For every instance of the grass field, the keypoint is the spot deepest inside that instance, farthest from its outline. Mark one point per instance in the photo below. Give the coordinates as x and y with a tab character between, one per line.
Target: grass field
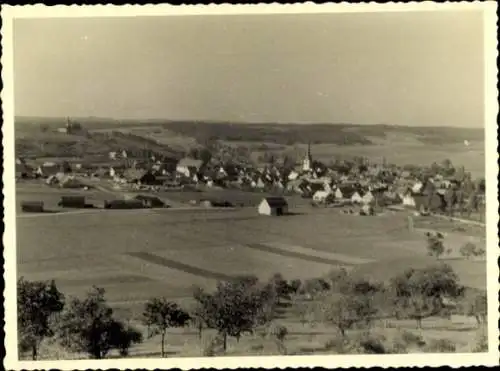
138	254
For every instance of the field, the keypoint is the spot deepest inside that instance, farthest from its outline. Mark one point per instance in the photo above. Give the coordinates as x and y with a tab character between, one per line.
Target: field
138	254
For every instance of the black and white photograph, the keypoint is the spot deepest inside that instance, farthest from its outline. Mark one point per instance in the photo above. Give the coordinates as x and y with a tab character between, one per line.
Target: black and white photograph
296	185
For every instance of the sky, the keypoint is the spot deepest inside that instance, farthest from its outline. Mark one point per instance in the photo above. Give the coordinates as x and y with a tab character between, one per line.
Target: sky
417	69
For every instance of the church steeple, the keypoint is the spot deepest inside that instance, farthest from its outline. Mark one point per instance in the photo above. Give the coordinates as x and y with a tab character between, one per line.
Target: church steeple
307	164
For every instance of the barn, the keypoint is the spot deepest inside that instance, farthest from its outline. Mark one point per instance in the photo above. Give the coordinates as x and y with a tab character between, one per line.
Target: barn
32	206
274	206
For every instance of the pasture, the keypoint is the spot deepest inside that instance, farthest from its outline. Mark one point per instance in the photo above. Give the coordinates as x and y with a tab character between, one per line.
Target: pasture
135	254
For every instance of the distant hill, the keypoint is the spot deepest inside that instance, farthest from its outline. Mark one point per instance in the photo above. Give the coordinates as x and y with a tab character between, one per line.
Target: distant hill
285	134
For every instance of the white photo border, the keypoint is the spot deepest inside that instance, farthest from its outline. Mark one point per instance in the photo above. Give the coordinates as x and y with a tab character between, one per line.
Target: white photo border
9	13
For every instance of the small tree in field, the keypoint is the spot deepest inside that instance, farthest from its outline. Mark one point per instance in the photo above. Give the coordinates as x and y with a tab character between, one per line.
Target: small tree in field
345	311
124	337
478	307
468	250
435	244
234	308
281	286
279	333
160	314
37	302
199	315
295	286
420	293
88	326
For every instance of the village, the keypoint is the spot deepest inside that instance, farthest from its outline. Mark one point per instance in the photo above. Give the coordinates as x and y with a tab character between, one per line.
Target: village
438	188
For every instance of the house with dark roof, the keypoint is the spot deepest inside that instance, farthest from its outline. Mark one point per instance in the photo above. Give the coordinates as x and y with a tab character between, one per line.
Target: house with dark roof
275	206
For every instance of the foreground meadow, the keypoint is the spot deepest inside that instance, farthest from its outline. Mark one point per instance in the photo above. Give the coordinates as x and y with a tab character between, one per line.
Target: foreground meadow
138	254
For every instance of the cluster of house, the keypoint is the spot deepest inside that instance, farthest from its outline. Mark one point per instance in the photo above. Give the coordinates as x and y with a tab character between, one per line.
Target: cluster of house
310	179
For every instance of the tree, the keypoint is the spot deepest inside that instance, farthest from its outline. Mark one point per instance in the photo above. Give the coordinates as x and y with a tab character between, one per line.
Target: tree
295	286
88	326
37	302
160	314
234	308
345	311
279	333
435	245
421	293
281	286
123	336
303	310
205	155
478	307
314	286
451	200
468	250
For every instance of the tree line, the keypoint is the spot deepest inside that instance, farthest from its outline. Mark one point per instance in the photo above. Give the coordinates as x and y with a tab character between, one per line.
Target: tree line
239	307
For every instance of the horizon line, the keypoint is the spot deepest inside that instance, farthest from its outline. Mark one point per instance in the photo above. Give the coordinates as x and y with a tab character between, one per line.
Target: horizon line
221	121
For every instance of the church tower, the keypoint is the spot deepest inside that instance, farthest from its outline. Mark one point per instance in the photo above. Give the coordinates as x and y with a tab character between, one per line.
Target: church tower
307	164
69	127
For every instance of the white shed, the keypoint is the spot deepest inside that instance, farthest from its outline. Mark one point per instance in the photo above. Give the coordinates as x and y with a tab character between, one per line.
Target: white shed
275	206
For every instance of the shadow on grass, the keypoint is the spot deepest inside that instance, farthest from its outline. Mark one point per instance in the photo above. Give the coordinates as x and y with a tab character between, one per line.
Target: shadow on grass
144	354
309	350
293	213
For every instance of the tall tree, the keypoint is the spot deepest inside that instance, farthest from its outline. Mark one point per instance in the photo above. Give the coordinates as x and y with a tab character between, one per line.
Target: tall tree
37	302
160	314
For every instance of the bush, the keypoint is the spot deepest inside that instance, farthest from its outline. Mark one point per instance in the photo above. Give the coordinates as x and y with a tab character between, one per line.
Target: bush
481	344
441	346
338	345
374	345
213	347
410	338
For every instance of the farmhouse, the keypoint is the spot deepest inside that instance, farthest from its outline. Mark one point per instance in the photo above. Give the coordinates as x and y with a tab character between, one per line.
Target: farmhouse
188	166
275	206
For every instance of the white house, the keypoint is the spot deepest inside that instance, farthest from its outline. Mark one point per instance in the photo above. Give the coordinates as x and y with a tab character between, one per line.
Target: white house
356	198
188	167
417	187
338	194
408	200
320	196
260	183
368	197
275	206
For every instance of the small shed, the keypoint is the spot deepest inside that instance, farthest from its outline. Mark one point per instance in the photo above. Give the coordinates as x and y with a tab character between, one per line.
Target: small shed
274	206
150	201
124	204
72	201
